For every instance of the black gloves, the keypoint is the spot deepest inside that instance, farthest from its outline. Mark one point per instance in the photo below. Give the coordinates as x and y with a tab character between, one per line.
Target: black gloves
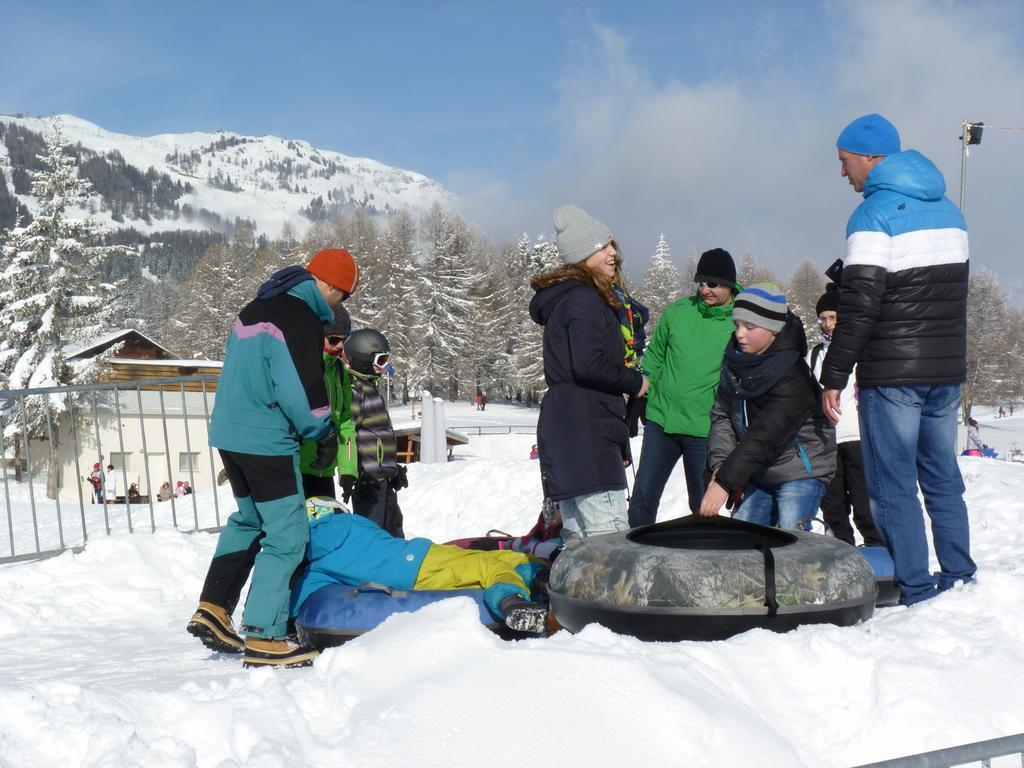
636	411
347	484
326	451
400	480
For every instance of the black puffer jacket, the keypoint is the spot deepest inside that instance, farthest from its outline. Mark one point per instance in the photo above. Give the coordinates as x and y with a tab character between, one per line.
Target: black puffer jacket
903	303
778	435
581	433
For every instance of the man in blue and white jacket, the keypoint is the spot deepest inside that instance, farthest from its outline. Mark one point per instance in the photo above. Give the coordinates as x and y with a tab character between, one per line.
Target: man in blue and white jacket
903	323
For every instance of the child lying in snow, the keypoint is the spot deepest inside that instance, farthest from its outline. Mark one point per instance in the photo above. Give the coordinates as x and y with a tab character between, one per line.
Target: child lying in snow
353	550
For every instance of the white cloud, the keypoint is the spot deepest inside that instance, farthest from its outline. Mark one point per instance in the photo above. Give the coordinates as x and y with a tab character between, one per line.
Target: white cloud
748	161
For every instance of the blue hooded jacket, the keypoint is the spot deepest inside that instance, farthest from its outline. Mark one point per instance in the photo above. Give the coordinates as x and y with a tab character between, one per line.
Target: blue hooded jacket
903	299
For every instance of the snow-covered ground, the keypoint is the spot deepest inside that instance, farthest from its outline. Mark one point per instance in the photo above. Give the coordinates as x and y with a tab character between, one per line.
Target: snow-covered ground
98	671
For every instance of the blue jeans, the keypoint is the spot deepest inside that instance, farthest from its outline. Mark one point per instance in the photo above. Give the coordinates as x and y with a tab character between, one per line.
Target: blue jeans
593	514
786	505
658	458
908	438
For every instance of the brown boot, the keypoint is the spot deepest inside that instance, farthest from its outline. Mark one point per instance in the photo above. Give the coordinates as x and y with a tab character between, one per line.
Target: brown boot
212	625
261	652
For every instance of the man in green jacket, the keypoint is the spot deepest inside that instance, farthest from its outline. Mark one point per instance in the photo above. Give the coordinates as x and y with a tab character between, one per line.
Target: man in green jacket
682	361
337	381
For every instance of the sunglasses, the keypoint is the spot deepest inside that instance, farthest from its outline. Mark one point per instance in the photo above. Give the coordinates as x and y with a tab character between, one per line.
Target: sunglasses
335	340
381	359
707	284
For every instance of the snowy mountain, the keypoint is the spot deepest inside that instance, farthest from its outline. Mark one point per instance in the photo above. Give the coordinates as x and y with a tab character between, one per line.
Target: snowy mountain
201	181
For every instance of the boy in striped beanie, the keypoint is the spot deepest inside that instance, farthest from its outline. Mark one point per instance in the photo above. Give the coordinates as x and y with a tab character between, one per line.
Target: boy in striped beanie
771	450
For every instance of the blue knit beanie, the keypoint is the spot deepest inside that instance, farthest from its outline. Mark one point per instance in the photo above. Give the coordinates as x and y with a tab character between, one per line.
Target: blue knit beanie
870	135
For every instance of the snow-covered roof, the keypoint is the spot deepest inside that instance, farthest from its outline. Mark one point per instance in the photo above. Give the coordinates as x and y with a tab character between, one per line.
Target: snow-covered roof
102	343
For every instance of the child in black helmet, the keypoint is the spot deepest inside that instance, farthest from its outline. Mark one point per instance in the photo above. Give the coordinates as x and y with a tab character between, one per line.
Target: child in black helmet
379	475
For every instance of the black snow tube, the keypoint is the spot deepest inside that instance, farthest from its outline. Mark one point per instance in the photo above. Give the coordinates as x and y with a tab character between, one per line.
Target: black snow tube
708	579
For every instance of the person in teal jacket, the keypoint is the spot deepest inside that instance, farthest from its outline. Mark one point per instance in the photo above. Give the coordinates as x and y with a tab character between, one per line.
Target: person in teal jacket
320	481
270	396
349	549
682	361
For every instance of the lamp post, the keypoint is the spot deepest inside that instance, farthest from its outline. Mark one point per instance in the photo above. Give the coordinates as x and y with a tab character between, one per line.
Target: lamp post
970	134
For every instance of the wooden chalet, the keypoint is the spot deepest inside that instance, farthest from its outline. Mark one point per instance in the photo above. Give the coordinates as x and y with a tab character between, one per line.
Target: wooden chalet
138	358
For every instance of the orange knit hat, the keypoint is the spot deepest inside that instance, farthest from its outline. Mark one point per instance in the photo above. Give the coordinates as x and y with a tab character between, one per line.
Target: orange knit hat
335	266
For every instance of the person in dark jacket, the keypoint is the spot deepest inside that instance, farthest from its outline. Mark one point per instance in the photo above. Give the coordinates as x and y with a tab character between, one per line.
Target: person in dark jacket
581	432
270	396
903	323
376	476
770	444
847	492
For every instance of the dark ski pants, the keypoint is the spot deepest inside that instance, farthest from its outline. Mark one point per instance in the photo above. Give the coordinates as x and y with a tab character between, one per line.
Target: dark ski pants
267	535
377	500
847	490
314	485
658	458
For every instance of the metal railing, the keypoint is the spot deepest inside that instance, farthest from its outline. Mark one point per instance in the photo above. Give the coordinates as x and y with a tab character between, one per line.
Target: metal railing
506	429
91	416
978	751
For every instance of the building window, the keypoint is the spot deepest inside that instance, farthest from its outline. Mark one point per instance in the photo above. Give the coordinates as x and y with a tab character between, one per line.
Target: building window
121	461
188	461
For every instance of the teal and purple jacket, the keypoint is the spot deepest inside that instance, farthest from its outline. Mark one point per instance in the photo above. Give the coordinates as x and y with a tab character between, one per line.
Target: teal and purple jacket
271	390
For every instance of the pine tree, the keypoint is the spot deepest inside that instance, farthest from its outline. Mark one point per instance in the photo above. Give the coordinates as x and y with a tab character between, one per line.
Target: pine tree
51	295
988	328
398	311
662	283
690	270
802	291
447	306
748	271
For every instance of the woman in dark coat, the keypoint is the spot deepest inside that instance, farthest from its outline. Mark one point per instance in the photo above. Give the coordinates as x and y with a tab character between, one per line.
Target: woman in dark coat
581	433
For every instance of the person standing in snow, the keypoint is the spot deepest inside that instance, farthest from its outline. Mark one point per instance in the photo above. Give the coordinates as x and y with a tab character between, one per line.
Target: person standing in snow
110	484
683	360
320	482
581	431
847	490
372	476
96	481
903	323
271	396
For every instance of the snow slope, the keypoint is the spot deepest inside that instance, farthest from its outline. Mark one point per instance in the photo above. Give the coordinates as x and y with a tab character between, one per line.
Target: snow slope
261	198
98	671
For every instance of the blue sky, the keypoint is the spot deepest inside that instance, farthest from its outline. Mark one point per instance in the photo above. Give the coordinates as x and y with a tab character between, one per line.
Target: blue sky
712	122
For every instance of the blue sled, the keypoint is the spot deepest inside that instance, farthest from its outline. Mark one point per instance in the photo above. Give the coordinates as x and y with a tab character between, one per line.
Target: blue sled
881	563
337	613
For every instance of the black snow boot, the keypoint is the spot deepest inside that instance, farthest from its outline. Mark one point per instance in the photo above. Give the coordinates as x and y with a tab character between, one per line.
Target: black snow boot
212	625
524	616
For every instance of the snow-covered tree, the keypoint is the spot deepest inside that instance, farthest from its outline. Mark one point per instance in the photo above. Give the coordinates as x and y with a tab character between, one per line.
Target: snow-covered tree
989	363
397	310
51	295
661	284
748	271
802	292
445	298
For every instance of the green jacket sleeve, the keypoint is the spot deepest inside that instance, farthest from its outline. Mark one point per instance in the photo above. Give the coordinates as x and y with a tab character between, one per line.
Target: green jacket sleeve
347	460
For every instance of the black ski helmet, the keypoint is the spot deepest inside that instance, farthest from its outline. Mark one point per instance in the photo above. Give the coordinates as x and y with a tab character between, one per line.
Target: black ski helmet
362	347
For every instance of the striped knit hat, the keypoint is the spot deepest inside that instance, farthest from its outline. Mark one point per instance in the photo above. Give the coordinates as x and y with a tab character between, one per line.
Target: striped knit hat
762	304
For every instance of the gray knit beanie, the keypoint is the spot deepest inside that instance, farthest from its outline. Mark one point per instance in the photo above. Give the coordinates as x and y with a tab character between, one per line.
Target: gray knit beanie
578	234
762	304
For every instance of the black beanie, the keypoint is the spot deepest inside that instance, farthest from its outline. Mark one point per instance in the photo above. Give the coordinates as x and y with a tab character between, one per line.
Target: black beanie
341	325
716	266
829	301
